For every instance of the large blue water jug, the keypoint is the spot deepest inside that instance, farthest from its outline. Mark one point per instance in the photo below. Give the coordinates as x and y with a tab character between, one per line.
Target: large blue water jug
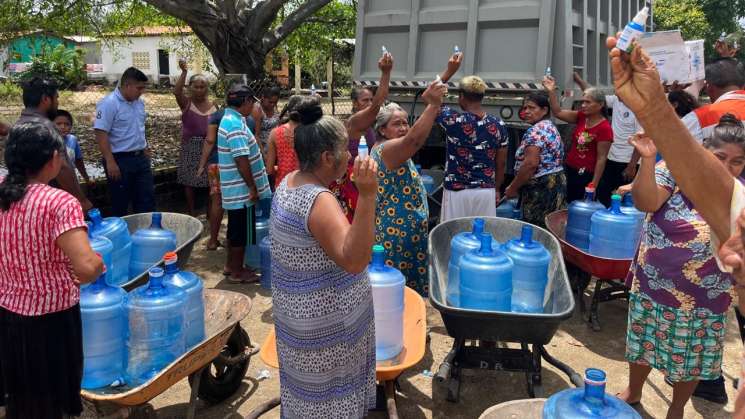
580	219
265	248
589	402
506	209
460	244
149	245
486	278
157	313
253	252
192	285
116	230
627	206
104	320
388	301
104	247
427	180
613	233
530	261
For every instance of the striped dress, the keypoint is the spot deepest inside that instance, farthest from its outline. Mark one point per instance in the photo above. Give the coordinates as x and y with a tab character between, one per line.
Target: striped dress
323	318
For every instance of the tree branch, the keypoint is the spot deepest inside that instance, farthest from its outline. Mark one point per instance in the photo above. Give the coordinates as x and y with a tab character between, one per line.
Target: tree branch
187	10
266	11
295	19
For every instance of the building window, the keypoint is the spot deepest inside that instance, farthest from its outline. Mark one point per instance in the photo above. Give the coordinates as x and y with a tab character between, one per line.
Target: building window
141	60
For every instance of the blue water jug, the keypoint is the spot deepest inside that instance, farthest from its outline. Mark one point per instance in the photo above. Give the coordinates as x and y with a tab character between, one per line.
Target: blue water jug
529	273
613	233
116	230
149	245
486	278
460	244
104	320
192	285
253	252
427	180
265	248
156	313
104	247
589	402
517	212
388	301
627	206
506	209
580	219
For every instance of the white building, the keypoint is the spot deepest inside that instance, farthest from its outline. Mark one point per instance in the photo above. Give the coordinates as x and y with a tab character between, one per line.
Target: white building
155	50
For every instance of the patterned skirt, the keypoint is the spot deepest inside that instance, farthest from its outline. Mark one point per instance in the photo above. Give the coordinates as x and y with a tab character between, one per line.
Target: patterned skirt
542	196
683	345
191	152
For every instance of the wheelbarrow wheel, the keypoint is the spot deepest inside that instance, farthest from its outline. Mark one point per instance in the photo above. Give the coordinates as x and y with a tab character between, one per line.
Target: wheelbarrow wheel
220	380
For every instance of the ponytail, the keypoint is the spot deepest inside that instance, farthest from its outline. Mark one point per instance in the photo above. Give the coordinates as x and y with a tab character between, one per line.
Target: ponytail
29	148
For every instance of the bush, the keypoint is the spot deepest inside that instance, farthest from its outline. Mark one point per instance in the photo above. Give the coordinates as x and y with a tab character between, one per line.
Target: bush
10	92
64	65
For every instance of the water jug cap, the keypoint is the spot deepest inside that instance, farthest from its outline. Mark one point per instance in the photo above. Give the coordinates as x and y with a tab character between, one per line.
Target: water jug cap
594	376
590	187
170	258
615	204
378	256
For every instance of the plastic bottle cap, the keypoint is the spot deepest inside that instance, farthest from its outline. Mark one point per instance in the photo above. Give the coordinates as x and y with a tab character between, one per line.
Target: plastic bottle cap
616	197
378	248
170	257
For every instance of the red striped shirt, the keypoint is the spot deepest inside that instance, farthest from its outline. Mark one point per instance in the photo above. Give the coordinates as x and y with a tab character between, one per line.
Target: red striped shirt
35	275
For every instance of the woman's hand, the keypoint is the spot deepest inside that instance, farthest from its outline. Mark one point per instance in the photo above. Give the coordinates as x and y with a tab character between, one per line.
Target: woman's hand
635	78
434	93
511	192
549	83
625	189
385	64
629	173
183	65
454	63
365	176
644	145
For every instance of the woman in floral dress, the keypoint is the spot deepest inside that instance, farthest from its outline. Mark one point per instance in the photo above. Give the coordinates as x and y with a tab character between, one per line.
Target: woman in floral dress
679	296
402	213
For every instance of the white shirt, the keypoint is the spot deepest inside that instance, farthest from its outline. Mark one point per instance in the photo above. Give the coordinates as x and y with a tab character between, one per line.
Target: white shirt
624	125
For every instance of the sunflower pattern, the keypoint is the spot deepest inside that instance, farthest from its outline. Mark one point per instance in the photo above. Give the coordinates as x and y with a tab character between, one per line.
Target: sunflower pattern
401	220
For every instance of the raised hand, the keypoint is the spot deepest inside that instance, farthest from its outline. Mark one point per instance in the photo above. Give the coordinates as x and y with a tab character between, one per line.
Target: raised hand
434	93
183	65
365	176
644	145
635	78
385	64
549	83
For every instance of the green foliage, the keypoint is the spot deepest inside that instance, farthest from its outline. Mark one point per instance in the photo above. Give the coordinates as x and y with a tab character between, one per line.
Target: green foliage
10	92
65	65
686	15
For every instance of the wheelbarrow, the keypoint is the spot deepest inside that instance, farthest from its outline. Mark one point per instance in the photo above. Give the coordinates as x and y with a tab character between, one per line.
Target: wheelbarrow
386	372
477	331
187	228
215	367
609	273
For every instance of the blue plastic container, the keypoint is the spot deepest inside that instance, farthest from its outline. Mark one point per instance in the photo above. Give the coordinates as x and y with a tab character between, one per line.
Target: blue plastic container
589	402
157	313
627	206
388	301
530	261
104	320
460	244
103	247
116	230
253	252
580	218
265	248
613	233
192	285
506	209
486	278
427	180
149	245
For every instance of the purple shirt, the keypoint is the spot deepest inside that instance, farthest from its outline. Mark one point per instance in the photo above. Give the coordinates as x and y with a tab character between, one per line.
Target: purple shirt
675	265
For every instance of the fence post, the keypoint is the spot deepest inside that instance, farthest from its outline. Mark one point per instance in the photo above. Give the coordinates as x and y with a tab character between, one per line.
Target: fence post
298	74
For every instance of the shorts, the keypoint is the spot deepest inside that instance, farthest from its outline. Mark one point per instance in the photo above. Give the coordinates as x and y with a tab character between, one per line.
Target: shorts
241	227
213	179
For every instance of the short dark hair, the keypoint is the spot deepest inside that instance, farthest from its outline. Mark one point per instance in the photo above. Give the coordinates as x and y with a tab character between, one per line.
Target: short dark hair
686	103
357	91
725	72
133	75
540	99
64	113
268	92
36	88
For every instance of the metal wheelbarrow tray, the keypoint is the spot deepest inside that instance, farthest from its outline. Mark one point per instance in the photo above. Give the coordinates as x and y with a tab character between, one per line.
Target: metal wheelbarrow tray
226	348
609	273
489	327
187	228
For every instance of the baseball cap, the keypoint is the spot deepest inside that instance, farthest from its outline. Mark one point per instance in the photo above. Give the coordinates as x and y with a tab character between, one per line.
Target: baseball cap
241	91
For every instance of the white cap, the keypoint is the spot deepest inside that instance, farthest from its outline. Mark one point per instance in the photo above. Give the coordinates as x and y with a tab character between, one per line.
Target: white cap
642	16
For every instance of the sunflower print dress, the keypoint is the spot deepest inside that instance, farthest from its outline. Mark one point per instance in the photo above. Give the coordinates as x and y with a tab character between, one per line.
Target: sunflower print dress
401	220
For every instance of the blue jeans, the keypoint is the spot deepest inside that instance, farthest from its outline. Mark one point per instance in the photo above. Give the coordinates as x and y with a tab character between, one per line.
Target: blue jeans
135	186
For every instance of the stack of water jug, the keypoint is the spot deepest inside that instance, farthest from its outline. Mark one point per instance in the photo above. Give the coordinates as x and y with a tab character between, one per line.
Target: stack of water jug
259	255
612	233
130	338
486	275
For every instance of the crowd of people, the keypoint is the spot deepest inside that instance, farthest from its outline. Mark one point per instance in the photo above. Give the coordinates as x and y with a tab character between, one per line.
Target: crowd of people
329	205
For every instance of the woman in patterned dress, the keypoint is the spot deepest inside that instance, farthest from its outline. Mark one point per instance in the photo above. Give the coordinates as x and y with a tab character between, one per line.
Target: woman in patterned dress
402	216
323	308
679	295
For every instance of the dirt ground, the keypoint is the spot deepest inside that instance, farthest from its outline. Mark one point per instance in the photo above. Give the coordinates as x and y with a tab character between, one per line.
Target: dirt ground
422	397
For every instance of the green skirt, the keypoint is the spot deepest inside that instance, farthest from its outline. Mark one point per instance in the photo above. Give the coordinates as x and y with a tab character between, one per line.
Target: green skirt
683	345
542	196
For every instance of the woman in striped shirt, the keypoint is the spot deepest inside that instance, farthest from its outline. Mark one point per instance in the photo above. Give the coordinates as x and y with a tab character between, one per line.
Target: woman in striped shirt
44	257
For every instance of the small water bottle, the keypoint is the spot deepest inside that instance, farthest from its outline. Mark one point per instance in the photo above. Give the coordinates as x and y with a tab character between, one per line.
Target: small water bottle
633	30
384	50
548	71
723	37
456	50
312	89
362	150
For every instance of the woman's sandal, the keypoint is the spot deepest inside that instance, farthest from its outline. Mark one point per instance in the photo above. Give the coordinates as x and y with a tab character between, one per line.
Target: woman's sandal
246	277
632	404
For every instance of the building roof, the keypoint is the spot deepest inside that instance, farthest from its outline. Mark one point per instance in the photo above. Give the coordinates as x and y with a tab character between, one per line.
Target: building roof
153	31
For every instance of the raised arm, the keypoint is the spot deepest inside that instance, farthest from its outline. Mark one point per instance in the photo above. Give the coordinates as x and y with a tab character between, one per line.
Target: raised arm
398	150
565	115
452	68
178	90
580	82
364	119
637	83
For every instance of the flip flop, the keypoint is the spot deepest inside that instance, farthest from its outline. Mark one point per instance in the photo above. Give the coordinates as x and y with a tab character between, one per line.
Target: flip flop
632	404
246	277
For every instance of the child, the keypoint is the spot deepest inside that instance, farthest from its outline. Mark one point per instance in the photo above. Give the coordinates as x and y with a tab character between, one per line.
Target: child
63	121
